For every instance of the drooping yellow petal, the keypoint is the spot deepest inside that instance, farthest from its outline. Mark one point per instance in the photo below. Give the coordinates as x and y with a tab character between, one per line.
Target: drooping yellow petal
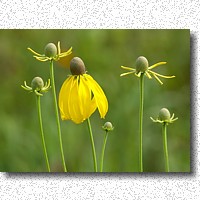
88	102
157	79
99	96
148	75
163	76
138	74
156	65
75	99
64	98
75	110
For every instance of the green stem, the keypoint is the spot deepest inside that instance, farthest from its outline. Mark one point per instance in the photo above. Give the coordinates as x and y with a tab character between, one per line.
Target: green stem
93	146
103	150
57	115
164	131
141	121
42	133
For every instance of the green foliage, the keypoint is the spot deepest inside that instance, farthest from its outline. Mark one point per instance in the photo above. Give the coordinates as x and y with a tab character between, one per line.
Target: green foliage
103	52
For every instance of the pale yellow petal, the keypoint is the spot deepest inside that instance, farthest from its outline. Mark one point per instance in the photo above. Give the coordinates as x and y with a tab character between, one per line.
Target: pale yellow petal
99	96
154	120
156	65
37	54
157	78
138	74
126	73
127	68
163	76
58	47
42	59
66	53
148	75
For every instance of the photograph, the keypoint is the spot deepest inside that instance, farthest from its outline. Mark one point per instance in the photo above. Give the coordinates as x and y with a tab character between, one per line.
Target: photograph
95	100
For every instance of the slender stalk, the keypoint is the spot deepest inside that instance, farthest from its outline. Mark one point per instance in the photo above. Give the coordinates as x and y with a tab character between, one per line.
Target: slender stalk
42	133
141	121
164	131
57	115
103	150
93	146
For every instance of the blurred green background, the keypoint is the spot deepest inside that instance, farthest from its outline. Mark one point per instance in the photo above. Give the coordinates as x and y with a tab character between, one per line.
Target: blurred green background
103	52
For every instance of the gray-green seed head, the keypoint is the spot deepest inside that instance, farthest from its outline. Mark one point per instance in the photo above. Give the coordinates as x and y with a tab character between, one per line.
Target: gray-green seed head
164	114
141	64
108	126
37	84
50	50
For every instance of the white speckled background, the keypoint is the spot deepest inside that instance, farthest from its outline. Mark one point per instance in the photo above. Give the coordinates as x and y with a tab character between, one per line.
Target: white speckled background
109	14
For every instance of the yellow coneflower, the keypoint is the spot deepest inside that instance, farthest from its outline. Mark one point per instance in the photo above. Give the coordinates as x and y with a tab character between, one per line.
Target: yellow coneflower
51	52
81	95
142	67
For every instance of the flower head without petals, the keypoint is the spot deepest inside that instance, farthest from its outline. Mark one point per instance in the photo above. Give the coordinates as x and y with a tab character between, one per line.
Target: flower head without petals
51	52
142	66
108	126
81	95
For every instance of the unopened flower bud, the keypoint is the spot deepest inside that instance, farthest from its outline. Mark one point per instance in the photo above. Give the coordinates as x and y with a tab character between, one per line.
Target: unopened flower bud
50	50
108	126
37	84
141	64
77	66
164	114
